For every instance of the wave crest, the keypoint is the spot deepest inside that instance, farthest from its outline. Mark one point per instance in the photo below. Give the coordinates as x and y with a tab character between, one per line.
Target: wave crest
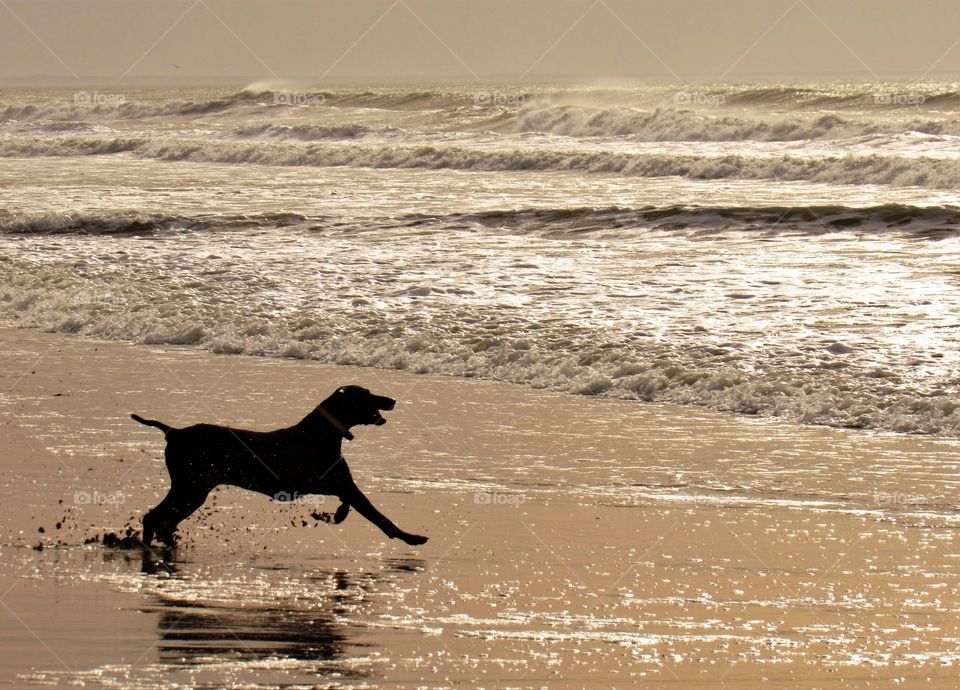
134	223
669	124
314	132
873	169
932	222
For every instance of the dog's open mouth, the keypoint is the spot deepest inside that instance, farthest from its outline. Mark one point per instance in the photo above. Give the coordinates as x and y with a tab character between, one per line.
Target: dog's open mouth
382	404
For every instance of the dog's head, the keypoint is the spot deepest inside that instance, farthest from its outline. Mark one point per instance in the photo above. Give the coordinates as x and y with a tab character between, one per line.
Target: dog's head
354	405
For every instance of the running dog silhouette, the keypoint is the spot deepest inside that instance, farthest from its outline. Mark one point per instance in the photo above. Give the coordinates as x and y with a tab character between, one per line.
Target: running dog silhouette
302	459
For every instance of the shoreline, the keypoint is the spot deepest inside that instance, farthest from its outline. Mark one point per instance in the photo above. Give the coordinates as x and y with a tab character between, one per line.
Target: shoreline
575	541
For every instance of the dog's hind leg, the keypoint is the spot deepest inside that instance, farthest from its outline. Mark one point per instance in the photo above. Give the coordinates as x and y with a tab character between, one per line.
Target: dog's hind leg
178	505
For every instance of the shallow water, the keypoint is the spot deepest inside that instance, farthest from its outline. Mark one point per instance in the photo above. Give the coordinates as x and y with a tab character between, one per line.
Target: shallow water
708	597
574	541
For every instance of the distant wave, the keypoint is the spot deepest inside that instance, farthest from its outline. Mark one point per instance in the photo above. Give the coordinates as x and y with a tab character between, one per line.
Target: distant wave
83	106
864	96
670	124
68	146
314	132
929	221
400	99
95	106
933	222
55	127
133	223
849	169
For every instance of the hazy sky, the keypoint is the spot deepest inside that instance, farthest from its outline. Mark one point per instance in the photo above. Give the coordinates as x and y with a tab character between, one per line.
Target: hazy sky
422	40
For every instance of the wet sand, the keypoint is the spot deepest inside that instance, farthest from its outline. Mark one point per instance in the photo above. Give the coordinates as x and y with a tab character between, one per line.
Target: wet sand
574	541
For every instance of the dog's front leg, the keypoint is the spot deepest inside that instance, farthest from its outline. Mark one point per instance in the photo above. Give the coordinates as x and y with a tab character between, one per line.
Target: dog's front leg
354	497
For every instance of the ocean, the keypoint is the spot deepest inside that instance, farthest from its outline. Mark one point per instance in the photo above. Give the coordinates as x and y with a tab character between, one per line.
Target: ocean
779	250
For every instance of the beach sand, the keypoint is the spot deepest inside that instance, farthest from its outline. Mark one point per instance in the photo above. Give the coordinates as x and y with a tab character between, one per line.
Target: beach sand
574	541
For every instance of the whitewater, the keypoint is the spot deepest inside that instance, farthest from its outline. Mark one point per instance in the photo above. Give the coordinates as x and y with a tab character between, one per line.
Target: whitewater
786	251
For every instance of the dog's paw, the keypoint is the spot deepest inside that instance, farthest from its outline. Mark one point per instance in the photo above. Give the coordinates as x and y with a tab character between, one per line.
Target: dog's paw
168	539
414	539
341	513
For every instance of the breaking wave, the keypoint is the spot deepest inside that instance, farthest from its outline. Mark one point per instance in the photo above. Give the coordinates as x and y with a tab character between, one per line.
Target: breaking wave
922	222
229	318
86	106
314	132
867	96
83	105
851	169
133	223
670	124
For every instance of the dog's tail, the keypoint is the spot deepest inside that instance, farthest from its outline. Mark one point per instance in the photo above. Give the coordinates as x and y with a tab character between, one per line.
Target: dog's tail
152	422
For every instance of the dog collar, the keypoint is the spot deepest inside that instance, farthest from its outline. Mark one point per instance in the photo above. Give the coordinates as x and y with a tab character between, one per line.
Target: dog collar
335	423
